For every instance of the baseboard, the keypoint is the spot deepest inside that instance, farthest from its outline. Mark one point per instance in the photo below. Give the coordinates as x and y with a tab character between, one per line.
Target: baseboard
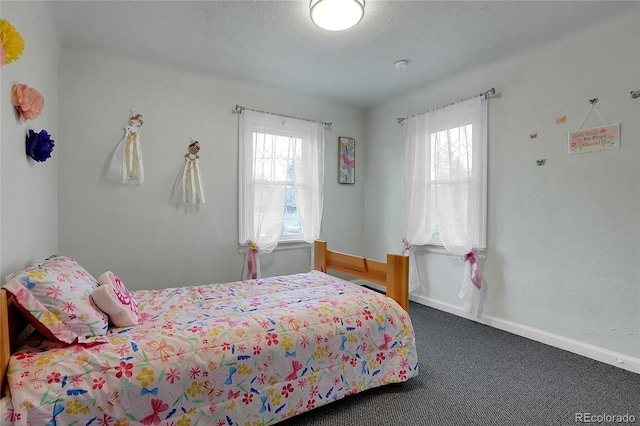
597	353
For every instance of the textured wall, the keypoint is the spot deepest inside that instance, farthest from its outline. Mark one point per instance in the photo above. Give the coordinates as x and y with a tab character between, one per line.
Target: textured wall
28	222
132	230
563	239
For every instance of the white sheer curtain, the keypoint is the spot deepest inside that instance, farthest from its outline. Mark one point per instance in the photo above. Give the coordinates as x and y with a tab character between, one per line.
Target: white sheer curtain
445	156
309	179
269	144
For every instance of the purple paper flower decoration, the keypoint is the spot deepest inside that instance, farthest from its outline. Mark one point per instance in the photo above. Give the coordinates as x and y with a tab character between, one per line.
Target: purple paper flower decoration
39	145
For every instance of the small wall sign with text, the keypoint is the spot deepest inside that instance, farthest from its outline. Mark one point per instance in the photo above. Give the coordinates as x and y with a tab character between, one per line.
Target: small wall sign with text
594	139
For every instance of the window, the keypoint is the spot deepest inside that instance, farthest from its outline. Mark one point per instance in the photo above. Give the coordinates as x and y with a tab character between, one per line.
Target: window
281	176
445	180
451	162
274	159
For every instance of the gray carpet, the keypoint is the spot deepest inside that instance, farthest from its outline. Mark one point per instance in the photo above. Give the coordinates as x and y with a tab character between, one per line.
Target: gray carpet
471	374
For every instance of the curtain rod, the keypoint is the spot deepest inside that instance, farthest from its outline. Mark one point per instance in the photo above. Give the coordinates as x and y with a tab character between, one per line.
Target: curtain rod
239	109
489	93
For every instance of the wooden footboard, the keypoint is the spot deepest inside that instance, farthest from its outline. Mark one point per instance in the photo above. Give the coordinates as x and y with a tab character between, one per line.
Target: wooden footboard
394	274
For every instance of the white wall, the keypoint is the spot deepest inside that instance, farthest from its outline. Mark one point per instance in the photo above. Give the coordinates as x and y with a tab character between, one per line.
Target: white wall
563	239
132	230
28	223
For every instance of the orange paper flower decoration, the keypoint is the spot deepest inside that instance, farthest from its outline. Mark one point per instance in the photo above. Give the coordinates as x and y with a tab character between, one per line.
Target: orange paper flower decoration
27	101
12	43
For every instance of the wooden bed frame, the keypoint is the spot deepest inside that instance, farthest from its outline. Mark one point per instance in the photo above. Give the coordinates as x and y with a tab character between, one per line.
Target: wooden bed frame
394	275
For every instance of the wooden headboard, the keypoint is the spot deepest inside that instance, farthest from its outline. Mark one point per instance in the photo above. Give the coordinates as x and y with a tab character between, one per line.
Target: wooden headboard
12	326
394	275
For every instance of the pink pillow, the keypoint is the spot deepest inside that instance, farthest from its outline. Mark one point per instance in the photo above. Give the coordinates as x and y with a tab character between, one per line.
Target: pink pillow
116	300
55	297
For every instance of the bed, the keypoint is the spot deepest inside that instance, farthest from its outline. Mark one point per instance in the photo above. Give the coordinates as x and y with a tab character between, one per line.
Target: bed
245	353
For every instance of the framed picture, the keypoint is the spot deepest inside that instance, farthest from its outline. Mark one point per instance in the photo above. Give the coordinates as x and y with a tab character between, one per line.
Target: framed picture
346	160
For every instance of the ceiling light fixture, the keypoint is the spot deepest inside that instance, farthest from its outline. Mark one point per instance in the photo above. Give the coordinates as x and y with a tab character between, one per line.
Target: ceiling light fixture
336	15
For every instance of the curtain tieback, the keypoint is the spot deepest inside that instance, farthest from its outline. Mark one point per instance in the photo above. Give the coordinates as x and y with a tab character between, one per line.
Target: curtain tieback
406	247
475	276
252	263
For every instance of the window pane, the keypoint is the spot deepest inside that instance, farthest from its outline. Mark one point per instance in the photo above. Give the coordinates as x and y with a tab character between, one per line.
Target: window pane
450	167
274	161
291	221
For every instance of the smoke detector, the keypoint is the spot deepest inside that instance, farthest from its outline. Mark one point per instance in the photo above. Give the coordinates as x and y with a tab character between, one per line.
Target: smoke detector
401	65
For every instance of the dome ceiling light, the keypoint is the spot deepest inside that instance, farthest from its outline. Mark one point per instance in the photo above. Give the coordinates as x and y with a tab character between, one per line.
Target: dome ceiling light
336	15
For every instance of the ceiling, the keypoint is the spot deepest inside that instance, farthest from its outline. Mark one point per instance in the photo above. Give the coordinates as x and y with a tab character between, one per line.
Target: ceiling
275	43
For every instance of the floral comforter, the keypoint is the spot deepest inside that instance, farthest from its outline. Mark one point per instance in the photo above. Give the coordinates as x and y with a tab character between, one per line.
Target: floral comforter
245	353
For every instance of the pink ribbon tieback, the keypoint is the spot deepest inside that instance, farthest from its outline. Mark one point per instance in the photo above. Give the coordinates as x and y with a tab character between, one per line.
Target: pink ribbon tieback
476	278
406	247
252	263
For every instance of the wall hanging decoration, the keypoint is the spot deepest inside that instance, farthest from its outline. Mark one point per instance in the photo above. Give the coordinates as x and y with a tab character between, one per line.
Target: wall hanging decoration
594	139
561	120
11	43
39	145
346	160
27	101
635	94
126	164
188	186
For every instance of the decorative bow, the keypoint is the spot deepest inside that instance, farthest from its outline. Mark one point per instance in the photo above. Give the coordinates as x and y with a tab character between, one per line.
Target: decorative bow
475	276
252	261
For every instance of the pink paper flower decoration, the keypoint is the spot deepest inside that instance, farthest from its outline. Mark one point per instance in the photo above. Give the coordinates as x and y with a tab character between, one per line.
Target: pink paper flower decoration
27	101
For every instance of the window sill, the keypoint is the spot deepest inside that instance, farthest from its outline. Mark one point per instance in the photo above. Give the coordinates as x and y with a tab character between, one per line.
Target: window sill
282	246
437	249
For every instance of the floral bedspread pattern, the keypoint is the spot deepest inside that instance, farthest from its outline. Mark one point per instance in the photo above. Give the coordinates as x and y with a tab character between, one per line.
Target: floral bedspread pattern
245	353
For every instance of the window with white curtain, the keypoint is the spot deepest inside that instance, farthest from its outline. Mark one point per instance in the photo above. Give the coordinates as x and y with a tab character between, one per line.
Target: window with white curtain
274	158
446	187
445	176
281	176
